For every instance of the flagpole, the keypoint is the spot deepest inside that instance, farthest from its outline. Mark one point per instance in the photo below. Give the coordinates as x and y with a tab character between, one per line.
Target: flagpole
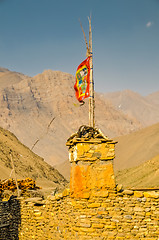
91	85
91	98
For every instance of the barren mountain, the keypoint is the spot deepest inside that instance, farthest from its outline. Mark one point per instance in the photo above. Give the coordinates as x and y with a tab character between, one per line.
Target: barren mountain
7	78
42	112
27	163
136	148
154	98
144	109
143	176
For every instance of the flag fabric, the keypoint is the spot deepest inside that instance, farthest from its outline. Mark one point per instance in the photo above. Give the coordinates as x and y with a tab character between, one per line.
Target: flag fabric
83	80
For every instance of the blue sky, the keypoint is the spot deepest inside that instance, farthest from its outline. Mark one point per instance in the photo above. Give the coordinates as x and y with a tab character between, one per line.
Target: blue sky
45	34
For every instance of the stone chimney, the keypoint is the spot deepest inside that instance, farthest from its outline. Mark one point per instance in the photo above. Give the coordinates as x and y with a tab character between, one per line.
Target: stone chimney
91	156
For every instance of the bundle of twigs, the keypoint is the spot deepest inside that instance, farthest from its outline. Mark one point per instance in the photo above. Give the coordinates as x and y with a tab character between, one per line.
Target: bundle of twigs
24	184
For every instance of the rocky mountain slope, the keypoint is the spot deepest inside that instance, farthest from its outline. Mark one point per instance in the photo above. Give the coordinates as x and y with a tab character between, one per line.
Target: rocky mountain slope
27	163
154	98
144	109
43	112
7	78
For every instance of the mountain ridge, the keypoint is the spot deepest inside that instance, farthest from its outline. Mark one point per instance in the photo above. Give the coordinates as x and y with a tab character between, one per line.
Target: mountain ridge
134	105
31	104
42	112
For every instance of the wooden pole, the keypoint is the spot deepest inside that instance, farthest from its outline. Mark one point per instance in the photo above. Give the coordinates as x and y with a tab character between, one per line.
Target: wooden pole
16	182
91	88
87	53
91	98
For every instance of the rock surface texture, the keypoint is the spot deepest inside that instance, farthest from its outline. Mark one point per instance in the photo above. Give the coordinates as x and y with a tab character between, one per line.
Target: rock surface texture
122	215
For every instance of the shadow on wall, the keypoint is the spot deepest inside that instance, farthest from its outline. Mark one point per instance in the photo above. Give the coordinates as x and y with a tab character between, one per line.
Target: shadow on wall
10	219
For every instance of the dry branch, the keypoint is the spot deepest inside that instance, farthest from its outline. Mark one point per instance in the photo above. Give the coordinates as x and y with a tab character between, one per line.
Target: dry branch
47	130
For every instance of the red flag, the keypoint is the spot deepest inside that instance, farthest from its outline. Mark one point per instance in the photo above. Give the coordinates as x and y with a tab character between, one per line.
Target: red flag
82	80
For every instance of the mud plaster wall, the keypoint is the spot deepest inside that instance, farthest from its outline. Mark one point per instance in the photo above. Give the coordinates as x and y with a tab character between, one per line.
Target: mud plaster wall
91	167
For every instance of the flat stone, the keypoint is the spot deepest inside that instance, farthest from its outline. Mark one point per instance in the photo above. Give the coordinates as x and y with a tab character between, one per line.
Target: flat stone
99	216
151	194
58	196
85	195
107	217
37	214
82	216
138	194
119	188
144	199
139	199
85	225
115	220
97	225
138	209
94	205
34	200
110	226
87	229
39	218
100	193
147	209
129	217
128	192
52	198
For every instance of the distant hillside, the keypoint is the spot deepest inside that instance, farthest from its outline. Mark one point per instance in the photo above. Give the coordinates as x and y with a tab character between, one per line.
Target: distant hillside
154	98
144	109
144	175
136	148
27	163
43	112
65	169
137	158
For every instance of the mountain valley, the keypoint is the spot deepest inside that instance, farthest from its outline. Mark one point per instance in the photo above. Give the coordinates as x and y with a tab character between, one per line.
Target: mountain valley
42	112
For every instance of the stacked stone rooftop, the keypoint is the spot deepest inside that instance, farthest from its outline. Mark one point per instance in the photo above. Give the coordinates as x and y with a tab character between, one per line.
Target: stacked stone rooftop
87	134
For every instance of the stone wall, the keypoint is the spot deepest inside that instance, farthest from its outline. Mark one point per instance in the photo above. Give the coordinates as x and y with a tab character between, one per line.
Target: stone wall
125	215
10	219
93	208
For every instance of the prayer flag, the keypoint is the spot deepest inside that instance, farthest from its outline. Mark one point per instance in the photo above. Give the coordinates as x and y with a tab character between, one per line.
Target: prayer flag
83	80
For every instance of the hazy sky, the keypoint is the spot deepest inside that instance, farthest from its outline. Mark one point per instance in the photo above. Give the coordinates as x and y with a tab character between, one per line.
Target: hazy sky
45	34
